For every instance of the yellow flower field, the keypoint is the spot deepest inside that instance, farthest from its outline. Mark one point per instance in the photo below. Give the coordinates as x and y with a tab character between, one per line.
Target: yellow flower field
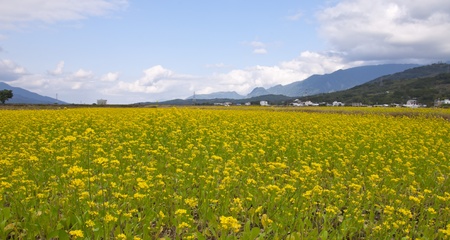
186	173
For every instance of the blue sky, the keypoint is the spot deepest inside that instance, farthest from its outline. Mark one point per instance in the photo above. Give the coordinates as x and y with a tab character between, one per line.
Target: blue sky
130	51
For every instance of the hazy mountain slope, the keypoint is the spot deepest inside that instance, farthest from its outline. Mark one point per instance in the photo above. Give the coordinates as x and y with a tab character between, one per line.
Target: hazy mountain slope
259	91
228	95
338	80
425	83
21	95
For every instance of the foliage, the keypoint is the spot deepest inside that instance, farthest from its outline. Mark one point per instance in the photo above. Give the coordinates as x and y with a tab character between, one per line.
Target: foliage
223	174
5	94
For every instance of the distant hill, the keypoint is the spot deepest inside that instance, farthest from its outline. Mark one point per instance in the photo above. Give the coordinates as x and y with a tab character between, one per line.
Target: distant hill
259	91
332	82
228	95
338	80
271	98
21	95
425	83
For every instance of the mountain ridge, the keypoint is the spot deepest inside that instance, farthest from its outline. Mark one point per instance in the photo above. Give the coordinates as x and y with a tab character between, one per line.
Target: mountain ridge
223	94
424	83
320	83
338	80
23	96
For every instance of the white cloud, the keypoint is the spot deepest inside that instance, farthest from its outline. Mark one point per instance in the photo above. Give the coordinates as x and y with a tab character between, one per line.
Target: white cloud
157	83
59	69
10	71
260	51
74	87
306	64
217	65
110	77
258	47
309	63
15	14
81	73
257	44
388	29
59	82
153	75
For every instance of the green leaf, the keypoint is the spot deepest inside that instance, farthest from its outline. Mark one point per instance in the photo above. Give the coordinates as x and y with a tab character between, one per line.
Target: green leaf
6	212
53	234
59	226
255	232
247	226
294	236
200	236
63	235
324	234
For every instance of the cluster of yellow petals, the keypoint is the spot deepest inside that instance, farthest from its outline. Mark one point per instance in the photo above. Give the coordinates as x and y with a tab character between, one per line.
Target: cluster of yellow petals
195	173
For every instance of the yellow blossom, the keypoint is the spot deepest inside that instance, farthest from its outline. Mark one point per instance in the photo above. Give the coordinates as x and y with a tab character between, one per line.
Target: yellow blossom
76	233
229	223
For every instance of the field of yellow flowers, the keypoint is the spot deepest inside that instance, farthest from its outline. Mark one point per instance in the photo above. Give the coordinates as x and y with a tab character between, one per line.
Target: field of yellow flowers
186	173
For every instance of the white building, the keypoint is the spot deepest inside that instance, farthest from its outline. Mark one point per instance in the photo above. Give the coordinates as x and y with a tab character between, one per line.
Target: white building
309	103
411	104
101	102
439	103
298	103
264	103
336	104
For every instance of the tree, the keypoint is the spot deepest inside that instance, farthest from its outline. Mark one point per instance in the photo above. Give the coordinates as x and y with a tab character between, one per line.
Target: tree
5	95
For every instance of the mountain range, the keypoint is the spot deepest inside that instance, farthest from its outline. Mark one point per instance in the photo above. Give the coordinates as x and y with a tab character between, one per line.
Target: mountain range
22	96
386	83
424	84
332	82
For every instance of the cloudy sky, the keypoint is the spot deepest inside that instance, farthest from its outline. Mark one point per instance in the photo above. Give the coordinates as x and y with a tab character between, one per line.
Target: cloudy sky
130	51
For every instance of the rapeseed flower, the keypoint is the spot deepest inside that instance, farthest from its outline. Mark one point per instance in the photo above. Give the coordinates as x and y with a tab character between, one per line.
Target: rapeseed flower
76	233
161	171
229	223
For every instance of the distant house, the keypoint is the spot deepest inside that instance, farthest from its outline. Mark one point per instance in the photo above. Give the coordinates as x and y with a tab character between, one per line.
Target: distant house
101	102
439	102
309	103
264	103
248	103
298	103
337	104
226	104
412	103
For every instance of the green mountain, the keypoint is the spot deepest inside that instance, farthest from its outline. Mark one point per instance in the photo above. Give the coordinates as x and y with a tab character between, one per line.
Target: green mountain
271	98
425	84
336	81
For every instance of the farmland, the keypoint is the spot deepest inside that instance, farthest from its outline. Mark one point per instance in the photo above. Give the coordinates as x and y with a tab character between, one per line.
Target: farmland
187	173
